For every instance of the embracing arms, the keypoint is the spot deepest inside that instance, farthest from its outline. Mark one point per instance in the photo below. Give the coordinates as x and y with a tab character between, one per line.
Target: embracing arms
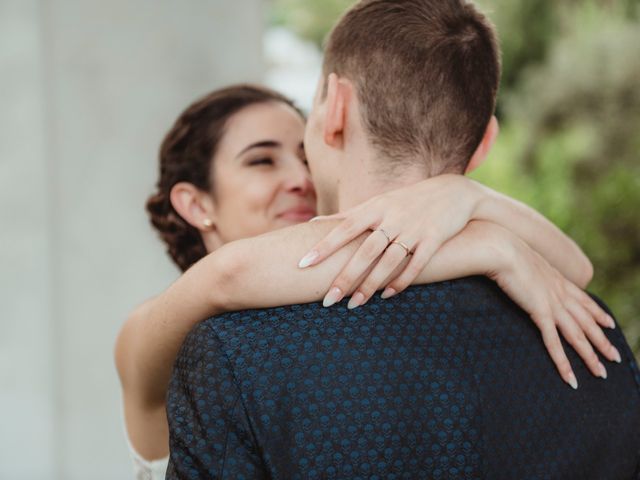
425	215
261	272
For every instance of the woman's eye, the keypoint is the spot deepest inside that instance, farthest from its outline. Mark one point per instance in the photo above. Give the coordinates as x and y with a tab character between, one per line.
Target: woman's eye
261	161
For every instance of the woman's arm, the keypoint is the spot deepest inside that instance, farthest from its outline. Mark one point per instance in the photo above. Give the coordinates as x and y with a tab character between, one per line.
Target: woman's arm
261	272
149	341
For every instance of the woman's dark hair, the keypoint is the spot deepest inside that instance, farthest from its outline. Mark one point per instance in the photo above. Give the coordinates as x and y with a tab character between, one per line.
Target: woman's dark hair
186	155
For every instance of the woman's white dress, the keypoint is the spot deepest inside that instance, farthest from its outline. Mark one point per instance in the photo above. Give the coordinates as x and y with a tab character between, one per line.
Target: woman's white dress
147	469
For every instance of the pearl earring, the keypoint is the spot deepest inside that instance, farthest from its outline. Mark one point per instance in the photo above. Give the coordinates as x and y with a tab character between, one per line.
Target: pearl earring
207	222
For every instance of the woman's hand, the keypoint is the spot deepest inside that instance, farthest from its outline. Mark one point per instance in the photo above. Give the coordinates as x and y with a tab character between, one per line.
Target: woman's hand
556	304
414	220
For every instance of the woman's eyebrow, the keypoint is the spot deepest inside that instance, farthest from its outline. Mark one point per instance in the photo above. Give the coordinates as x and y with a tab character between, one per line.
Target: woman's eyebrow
262	144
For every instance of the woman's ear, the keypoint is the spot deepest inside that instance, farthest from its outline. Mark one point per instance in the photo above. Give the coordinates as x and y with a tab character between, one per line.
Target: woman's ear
489	138
336	105
194	206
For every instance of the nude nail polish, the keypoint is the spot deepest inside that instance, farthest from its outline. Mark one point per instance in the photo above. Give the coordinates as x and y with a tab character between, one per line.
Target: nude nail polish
333	297
388	293
603	371
573	381
355	301
616	355
308	259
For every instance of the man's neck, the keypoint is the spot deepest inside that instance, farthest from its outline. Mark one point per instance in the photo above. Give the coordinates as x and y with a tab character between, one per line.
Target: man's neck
372	179
363	172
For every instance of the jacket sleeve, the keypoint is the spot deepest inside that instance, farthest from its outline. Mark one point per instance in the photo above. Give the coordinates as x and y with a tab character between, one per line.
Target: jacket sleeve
210	432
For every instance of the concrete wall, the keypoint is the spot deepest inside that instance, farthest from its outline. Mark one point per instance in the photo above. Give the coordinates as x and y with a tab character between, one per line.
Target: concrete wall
89	88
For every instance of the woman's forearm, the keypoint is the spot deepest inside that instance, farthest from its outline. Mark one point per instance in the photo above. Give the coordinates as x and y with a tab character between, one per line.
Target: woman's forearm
539	233
269	276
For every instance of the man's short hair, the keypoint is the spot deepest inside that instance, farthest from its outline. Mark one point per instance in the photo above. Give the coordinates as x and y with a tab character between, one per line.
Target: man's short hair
426	73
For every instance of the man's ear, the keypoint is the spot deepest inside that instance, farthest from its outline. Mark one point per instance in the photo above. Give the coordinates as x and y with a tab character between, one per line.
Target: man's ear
490	135
194	206
336	105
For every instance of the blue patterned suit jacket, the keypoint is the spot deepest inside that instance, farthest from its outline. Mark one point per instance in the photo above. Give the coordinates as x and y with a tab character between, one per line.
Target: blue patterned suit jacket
445	381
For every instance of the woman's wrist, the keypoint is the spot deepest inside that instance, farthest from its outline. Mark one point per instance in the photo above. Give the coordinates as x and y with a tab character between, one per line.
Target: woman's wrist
499	246
537	233
473	195
487	204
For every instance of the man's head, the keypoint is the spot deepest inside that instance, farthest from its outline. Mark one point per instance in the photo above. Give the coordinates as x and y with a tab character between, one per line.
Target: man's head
414	81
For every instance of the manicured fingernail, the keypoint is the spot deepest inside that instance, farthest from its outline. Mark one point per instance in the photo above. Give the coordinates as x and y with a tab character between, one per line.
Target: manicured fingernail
616	355
333	297
603	371
388	293
573	381
315	218
355	301
308	259
612	322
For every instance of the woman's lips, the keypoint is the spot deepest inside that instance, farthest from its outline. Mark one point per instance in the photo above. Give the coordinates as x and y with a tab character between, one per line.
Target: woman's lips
299	214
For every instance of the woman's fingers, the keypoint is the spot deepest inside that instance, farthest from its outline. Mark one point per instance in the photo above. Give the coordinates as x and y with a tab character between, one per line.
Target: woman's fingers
592	330
364	258
553	344
602	317
576	338
391	259
352	226
419	260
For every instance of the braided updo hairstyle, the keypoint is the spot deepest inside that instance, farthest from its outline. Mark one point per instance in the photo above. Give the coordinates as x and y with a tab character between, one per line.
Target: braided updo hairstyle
186	155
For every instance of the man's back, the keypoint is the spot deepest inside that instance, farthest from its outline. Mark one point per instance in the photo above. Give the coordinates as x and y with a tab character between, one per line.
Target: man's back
449	380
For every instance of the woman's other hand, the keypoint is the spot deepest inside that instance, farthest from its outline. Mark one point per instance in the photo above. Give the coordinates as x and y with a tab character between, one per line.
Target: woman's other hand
555	305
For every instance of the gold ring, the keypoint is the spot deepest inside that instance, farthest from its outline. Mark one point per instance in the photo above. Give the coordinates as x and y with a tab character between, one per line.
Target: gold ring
384	233
403	245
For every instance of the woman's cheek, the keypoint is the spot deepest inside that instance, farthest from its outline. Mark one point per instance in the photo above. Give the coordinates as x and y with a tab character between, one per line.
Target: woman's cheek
261	195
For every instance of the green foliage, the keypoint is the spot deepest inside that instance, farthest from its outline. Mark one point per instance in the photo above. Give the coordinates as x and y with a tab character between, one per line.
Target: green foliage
526	29
570	115
571	147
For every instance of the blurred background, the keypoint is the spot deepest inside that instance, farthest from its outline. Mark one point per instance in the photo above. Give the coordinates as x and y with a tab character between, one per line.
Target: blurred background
90	87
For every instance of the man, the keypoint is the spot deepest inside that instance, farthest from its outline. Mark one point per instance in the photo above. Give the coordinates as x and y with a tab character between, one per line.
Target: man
448	380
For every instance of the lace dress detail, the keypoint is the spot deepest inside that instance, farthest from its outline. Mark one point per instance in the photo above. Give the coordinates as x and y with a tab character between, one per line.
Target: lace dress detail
147	469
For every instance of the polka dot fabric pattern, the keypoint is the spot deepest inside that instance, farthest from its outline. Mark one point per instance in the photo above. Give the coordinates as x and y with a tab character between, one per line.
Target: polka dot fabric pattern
445	381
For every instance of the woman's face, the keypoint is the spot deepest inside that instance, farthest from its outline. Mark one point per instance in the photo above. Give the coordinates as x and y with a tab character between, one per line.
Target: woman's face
261	181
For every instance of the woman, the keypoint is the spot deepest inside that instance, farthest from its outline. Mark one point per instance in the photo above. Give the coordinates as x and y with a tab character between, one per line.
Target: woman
233	174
